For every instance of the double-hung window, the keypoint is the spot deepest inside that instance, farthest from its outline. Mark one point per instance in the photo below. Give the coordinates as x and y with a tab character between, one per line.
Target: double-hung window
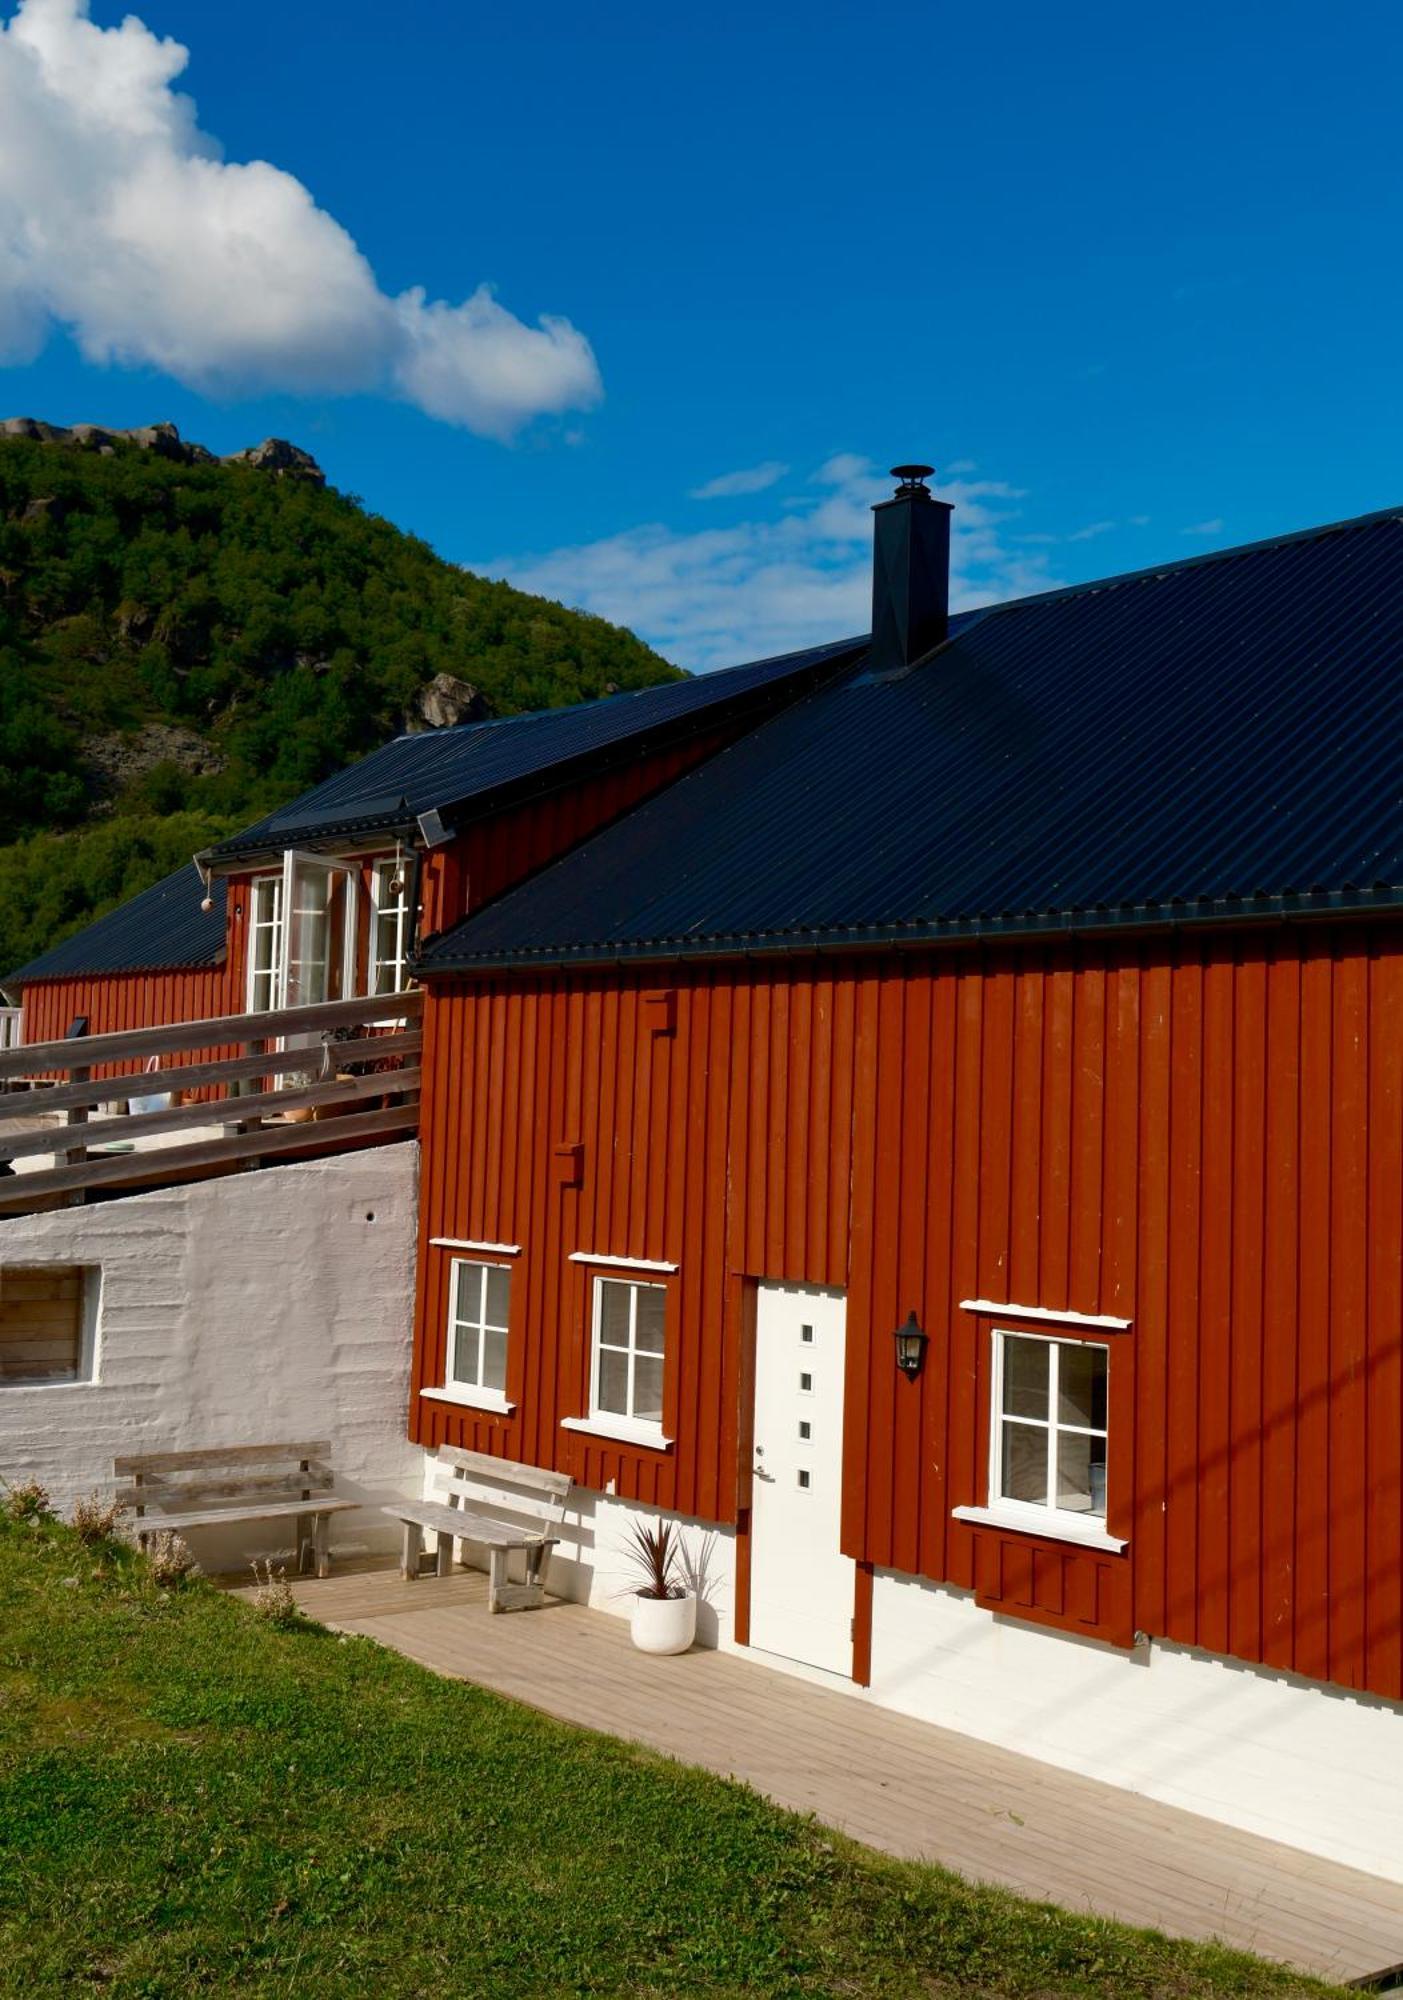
1049	1431
479	1298
389	928
626	1378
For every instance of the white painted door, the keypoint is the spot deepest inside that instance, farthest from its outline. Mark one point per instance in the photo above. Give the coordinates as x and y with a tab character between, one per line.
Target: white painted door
801	1587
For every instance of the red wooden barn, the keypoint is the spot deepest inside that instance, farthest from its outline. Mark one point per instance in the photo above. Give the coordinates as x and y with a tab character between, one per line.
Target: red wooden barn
948	1147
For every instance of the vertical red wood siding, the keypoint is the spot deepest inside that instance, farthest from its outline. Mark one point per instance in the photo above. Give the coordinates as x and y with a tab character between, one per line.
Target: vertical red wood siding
1203	1137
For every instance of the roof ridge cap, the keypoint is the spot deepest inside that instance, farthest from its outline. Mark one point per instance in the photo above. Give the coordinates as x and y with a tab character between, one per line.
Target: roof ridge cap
1194	562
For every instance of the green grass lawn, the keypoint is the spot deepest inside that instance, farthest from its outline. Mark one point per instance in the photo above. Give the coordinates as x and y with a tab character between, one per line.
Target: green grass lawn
195	1801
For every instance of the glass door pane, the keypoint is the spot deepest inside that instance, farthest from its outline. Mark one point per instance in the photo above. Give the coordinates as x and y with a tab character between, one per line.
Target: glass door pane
319	931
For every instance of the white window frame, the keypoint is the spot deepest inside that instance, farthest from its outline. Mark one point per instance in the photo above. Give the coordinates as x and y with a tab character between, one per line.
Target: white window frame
395	909
1054	1522
293	858
89	1334
264	890
477	1395
623	1425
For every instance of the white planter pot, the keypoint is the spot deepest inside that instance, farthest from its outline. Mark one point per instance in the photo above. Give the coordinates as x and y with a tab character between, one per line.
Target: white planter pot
664	1624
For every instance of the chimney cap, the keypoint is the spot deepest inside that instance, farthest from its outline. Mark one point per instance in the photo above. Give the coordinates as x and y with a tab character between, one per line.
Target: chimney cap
913	477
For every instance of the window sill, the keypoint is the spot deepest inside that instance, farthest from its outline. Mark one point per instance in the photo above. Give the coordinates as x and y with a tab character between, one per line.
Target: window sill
619	1430
15	1387
472	1399
1052	1527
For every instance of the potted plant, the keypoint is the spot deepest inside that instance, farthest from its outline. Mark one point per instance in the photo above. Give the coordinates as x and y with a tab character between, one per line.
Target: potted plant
664	1608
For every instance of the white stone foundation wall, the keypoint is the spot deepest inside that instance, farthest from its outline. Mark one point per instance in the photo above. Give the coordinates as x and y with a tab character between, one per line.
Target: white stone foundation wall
1268	1752
266	1306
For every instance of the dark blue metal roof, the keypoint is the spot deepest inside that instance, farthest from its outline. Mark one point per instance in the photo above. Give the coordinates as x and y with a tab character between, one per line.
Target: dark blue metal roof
1219	738
462	771
162	928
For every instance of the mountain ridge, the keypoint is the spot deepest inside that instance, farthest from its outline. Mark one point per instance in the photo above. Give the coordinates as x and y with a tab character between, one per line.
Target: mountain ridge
186	641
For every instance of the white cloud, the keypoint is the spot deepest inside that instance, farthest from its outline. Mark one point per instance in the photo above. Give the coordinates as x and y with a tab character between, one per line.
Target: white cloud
730	485
120	220
1090	533
1213	527
767	586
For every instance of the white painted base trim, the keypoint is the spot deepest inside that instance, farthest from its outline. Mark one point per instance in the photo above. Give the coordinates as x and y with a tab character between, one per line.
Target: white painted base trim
1268	1752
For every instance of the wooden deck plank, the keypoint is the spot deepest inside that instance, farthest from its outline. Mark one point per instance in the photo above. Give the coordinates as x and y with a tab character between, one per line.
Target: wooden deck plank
902	1786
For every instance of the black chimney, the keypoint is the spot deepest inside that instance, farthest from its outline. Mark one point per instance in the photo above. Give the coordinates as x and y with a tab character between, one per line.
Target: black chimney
910	572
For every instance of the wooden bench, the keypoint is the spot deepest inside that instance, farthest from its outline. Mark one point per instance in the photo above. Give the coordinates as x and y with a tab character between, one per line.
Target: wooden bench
176	1490
503	1507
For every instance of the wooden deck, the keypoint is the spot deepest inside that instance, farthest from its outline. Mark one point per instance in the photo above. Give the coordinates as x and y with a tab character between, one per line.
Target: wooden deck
905	1787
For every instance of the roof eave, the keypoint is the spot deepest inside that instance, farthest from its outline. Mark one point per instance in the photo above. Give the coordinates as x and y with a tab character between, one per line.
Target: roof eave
1208	914
342	837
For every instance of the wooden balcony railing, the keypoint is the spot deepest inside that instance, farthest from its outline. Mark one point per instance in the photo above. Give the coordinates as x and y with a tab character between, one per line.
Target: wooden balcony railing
308	1081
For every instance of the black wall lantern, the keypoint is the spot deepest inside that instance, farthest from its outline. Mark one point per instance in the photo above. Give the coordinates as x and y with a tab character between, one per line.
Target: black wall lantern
910	1346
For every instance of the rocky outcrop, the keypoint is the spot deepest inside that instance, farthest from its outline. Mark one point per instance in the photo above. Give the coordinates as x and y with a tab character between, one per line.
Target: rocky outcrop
115	761
444	701
274	455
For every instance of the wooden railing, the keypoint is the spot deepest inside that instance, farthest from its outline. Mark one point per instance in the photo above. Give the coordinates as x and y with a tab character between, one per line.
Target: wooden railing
351	1078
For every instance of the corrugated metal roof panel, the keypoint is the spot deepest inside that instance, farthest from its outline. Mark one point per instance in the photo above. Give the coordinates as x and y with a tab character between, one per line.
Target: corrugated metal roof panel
162	928
441	768
1219	734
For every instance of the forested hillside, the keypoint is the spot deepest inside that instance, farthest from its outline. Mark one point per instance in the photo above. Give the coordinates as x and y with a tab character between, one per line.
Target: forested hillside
185	642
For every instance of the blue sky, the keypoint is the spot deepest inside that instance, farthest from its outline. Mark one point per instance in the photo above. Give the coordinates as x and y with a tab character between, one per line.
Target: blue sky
1130	277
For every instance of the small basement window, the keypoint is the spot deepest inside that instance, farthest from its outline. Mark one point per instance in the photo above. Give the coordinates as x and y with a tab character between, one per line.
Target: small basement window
46	1321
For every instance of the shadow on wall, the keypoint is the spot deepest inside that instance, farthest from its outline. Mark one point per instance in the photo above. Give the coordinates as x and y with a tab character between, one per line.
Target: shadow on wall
595	1565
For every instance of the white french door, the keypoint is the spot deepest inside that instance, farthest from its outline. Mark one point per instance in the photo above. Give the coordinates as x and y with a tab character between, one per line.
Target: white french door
317	960
801	1585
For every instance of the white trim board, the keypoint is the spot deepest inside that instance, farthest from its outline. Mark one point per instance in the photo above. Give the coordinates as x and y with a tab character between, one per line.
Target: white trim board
467	1243
489	1401
620	1430
1053	1527
1000	1308
619	1263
